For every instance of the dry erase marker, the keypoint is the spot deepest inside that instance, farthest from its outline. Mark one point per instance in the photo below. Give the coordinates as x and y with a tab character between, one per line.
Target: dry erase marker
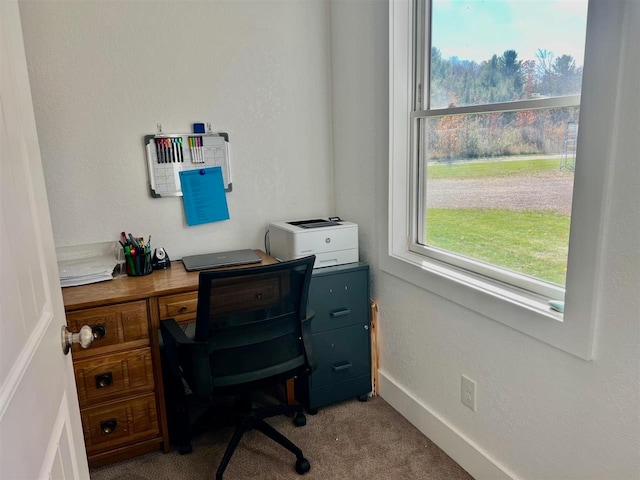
174	150
158	151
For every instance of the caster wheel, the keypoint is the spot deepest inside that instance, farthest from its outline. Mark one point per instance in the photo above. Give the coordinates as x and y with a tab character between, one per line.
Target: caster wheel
363	398
184	449
302	466
312	411
300	420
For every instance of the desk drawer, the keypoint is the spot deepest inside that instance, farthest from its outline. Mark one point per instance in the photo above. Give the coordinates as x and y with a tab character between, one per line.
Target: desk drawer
181	307
111	426
114	376
233	295
118	327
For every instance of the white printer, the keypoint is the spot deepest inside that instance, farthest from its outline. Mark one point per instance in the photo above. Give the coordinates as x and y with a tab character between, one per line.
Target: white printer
333	242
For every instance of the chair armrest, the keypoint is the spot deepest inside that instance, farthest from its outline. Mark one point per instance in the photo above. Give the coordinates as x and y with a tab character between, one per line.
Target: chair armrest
173	337
171	328
306	339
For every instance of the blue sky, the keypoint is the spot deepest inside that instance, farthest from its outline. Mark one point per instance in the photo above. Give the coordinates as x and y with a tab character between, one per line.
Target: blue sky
476	29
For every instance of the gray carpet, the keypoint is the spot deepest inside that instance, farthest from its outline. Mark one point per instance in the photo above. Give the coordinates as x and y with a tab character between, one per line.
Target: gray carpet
349	440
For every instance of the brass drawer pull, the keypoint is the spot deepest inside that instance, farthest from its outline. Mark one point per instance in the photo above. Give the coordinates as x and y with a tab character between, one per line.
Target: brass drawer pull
99	331
340	312
104	380
108	426
343	366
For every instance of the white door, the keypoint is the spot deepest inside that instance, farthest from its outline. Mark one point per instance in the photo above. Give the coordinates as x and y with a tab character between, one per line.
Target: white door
40	428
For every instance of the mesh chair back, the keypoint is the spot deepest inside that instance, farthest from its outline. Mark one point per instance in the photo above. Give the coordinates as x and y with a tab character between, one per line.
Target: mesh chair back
251	321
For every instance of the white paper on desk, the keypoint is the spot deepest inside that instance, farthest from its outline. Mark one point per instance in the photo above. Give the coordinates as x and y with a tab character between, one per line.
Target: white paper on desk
85	271
84	280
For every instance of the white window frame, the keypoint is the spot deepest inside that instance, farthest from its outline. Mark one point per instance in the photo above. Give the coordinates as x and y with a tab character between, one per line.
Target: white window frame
527	312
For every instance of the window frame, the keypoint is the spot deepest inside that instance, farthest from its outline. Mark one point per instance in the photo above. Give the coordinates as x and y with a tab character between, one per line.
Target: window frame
525	311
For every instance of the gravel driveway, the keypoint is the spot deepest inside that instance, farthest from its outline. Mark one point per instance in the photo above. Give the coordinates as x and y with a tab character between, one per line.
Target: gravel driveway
549	191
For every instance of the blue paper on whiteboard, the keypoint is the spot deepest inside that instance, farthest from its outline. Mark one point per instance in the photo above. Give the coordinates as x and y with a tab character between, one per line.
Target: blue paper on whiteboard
203	194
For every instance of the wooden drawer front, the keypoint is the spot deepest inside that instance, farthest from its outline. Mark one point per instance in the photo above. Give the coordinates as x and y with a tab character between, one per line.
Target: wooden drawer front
338	300
111	426
341	355
182	307
237	296
233	295
114	376
124	326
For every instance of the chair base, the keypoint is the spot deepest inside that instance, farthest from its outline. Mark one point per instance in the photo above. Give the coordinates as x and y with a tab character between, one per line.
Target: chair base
254	420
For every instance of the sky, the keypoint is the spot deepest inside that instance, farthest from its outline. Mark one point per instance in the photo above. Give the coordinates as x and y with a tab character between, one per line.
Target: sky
477	29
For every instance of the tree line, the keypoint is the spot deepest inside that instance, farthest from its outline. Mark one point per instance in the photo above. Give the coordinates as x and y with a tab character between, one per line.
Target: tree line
502	78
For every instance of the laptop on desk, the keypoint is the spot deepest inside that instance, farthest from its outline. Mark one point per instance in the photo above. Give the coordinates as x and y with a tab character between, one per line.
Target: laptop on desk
220	259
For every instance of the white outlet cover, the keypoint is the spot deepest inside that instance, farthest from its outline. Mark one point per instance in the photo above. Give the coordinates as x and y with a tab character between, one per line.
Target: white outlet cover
468	392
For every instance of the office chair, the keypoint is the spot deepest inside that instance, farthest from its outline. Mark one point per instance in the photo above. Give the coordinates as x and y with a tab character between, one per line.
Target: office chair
252	330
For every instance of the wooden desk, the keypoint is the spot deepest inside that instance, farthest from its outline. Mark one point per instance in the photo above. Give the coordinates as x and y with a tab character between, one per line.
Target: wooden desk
119	378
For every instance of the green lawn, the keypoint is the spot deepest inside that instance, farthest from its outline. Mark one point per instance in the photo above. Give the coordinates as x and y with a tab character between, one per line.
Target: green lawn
532	243
494	169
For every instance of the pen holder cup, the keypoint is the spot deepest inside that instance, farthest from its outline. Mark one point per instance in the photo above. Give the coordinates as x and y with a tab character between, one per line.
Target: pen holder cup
138	265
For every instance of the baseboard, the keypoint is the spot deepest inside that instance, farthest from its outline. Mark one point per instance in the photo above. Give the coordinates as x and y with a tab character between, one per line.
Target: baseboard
465	452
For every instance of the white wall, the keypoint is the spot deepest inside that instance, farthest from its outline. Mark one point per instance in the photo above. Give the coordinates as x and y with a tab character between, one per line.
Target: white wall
541	413
104	73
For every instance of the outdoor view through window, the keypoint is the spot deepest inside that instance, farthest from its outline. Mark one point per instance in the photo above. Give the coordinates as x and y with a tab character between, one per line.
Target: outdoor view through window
497	130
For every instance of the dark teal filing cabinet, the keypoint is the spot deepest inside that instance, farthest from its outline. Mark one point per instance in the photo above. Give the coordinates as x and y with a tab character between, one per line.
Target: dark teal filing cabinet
341	336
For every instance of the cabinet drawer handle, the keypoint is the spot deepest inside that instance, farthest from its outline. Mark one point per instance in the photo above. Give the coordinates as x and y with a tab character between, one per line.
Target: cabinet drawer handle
340	312
99	331
108	426
182	309
341	366
104	380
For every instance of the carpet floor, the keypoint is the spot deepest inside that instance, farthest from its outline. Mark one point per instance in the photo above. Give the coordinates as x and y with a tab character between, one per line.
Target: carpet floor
349	440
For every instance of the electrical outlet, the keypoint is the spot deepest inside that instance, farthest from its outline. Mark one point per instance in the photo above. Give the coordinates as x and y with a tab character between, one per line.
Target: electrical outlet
468	392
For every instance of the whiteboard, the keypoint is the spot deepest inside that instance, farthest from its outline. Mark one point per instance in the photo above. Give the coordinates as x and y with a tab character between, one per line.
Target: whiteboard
170	154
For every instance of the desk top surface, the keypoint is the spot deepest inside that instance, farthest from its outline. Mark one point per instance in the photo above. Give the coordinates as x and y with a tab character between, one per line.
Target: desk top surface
125	289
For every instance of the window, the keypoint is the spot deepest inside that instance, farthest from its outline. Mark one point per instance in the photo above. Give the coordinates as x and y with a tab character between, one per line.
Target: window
483	129
496	118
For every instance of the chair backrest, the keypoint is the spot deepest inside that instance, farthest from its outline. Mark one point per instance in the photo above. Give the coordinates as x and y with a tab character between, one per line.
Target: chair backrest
251	320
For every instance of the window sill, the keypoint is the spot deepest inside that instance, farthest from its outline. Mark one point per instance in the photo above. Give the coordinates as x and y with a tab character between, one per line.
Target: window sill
523	311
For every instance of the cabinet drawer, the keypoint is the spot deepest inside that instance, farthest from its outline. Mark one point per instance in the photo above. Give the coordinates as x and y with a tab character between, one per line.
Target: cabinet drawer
341	355
117	424
114	376
339	300
181	307
118	327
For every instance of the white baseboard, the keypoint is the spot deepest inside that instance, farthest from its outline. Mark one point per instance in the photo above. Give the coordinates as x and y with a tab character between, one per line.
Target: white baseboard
465	452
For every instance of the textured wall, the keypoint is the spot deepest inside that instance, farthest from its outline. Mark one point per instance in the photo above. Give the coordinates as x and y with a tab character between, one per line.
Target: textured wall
542	413
104	73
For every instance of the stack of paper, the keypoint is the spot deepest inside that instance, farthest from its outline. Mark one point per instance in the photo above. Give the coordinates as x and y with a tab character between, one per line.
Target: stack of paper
82	272
84	264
